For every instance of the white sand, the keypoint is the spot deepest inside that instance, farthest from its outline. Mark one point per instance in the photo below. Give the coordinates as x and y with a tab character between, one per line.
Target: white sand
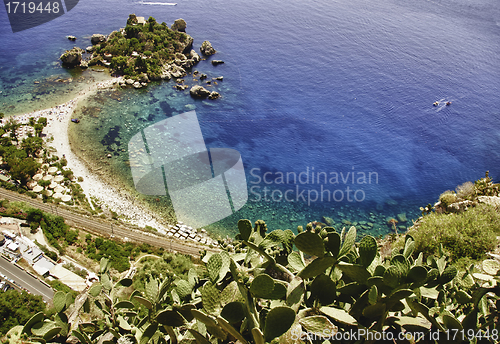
58	119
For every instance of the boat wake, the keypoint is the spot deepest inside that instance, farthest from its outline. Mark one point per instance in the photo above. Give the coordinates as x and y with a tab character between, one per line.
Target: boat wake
159	3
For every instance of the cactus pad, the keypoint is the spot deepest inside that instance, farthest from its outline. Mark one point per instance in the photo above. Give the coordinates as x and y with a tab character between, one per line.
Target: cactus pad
339	315
332	243
323	289
170	318
272	239
393	276
448	274
210	297
233	312
350	239
417	274
367	250
310	243
295	261
278	321
59	301
318	324
183	288
214	267
354	271
316	267
245	227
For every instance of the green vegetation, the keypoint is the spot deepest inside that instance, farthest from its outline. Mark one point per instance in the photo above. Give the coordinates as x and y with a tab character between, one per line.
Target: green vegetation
169	265
18	159
141	49
59	286
465	228
275	287
464	235
17	307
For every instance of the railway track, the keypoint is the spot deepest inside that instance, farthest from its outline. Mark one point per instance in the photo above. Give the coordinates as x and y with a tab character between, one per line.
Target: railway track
106	228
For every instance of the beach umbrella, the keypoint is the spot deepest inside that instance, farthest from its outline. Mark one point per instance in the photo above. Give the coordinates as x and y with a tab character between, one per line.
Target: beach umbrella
52	170
37	188
38	176
66	198
58	179
59	189
48	193
47	177
31	185
57	195
53	185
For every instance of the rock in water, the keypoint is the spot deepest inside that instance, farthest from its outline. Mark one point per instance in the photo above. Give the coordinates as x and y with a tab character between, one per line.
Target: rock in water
72	57
328	220
217	62
214	95
198	91
207	49
71	38
179	25
97	38
194	56
402	217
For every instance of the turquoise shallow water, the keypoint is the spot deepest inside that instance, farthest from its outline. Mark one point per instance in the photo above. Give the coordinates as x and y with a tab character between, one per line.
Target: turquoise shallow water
334	86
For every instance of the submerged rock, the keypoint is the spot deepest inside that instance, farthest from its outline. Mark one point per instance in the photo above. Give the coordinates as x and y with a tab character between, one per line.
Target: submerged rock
207	49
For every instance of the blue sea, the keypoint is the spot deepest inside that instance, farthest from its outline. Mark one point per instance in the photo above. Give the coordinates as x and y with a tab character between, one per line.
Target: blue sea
317	95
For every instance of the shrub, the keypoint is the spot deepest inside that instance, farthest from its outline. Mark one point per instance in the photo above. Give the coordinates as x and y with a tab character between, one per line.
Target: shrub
448	197
466	235
465	190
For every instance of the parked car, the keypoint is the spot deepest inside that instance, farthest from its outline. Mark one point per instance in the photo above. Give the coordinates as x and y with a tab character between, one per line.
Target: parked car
7	287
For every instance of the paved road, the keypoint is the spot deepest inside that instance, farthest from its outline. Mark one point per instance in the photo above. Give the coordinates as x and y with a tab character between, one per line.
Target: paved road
25	280
105	228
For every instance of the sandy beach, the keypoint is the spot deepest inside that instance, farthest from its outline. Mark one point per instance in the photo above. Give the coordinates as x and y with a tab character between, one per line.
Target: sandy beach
59	118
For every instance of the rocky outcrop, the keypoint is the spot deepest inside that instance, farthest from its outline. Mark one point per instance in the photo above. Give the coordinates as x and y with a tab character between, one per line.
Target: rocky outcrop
97	38
492	200
187	44
213	95
72	58
198	91
71	38
194	56
179	25
177	71
207	49
217	62
84	64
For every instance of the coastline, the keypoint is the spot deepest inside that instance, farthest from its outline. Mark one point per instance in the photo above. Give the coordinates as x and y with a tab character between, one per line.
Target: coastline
59	118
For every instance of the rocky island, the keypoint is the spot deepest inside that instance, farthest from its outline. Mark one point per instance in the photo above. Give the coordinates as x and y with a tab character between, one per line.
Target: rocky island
144	51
